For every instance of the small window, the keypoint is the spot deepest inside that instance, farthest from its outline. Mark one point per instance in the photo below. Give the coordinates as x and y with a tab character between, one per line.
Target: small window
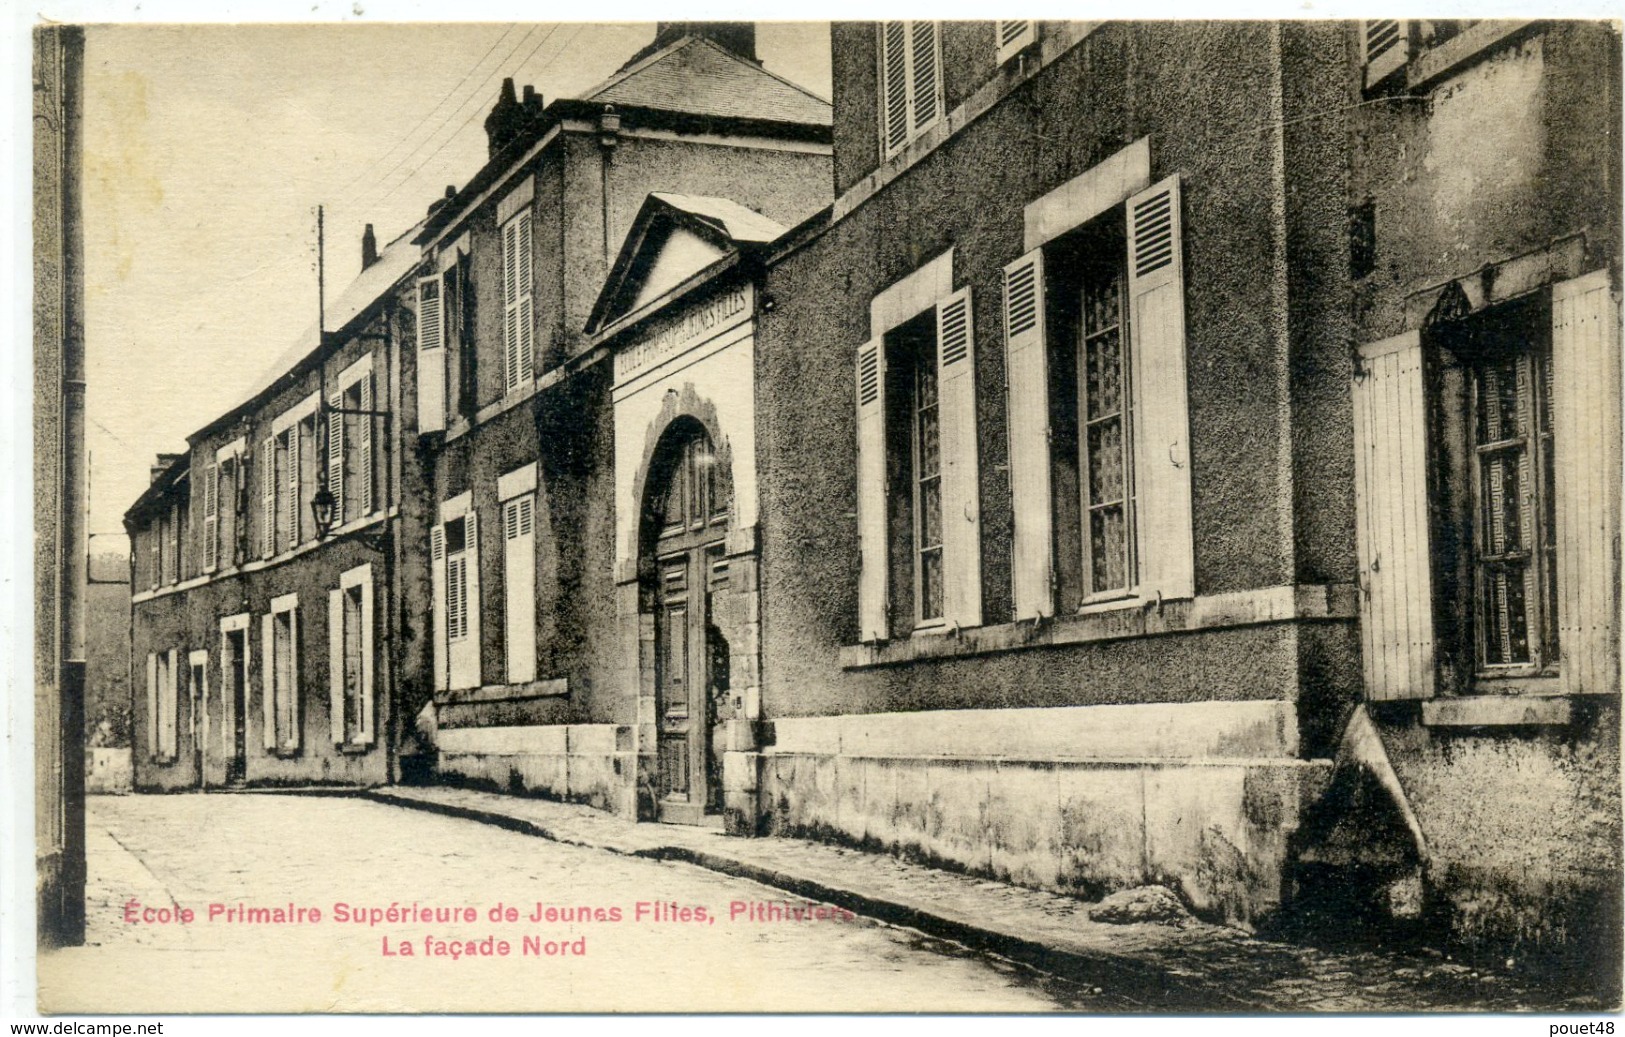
457	579
914	431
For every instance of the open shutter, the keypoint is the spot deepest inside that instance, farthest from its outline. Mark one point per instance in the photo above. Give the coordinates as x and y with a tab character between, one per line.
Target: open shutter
925	73
961	496
1391	520
152	706
366	478
268	679
526	347
872	553
295	688
155	536
431	357
1160	418
335	663
519	579
510	305
1014	37
1386	46
893	85
211	517
292	511
437	578
1586	455
170	731
1027	407
335	456
471	605
267	466
365	734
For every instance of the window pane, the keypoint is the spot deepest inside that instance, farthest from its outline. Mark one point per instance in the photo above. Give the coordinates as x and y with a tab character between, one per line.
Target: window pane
1506	622
1503	485
930	513
1106	462
931	584
1109	549
1105	374
930	444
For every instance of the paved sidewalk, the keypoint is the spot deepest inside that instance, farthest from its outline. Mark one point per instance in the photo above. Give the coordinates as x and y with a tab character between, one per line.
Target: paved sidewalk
1162	967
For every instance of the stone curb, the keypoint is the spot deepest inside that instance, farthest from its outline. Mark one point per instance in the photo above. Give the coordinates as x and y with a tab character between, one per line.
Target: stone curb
1175	989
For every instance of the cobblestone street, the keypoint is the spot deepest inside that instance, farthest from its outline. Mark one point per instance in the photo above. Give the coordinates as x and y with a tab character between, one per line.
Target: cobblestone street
304	851
271	851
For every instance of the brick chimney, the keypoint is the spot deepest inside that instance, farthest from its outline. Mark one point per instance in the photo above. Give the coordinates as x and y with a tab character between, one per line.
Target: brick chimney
507	118
162	464
369	248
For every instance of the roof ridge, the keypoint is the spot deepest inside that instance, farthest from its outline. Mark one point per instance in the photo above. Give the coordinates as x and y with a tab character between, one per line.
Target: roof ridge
630	70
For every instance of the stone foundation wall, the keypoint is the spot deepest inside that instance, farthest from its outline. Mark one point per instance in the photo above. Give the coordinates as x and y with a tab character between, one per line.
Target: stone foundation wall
593	764
1084	800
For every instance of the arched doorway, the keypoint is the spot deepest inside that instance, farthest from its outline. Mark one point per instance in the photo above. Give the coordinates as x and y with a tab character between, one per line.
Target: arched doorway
685	522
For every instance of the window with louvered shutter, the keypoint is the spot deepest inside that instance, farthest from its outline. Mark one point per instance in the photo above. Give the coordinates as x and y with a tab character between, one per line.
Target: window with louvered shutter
910	82
335	454
519	586
960	466
367	491
873	581
518	320
269	481
211	517
1014	37
431	359
438	585
1027	407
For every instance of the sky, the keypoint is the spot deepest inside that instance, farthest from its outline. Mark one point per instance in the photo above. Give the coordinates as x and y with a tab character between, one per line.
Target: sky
207	151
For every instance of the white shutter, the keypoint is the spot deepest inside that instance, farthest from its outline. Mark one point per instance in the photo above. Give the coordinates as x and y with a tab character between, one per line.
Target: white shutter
925	74
366	478
170	728
519	582
1391	520
226	717
1586	453
365	734
431	357
526	346
961	489
294	503
510	305
335	456
893	86
211	517
335	663
1014	37
437	578
471	606
1386	47
155	534
1160	416
268	679
295	686
267	464
873	561
152	705
1027	404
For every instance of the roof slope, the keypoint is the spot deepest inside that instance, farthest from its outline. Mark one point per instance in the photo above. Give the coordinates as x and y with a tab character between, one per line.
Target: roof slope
396	261
698	76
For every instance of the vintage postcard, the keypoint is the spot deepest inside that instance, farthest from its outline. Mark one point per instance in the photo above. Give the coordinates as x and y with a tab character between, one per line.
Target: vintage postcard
1115	517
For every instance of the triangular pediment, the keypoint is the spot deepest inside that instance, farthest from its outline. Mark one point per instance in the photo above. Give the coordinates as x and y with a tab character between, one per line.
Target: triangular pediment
674	239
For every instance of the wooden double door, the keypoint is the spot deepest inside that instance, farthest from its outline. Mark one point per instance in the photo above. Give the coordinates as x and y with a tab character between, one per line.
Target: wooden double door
692	654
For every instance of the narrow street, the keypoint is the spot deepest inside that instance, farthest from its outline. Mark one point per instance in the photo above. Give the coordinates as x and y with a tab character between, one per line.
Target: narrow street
272	851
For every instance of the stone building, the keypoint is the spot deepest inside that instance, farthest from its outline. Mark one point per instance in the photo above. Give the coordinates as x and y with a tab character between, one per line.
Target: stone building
516	400
1482	778
263	644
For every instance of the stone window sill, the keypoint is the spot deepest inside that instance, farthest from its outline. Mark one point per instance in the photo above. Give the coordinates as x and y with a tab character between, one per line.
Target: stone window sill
1498	711
554	687
1120	620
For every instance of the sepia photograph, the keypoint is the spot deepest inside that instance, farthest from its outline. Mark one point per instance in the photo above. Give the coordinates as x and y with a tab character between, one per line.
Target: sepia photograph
961	516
